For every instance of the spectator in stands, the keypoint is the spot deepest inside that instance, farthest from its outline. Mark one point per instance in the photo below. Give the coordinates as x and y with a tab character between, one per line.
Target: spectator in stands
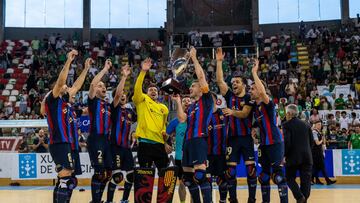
315	117
344	120
354	141
331	120
354	122
217	41
332	100
312	34
23	145
35	43
357	87
131	56
357	104
350	103
332	137
4	62
113	78
343	138
324	104
41	142
259	35
71	75
302	30
23	98
52	41
340	102
9	110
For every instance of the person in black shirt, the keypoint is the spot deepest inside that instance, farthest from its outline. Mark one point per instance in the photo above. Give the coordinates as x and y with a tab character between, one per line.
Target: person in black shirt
298	143
40	144
318	155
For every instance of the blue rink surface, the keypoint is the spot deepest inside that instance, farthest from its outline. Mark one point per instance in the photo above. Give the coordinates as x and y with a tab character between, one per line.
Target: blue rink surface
314	187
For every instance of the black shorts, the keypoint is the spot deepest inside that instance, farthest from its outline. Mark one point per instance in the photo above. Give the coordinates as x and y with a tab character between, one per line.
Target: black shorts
179	165
216	165
77	163
148	154
195	152
240	146
99	152
271	155
122	158
61	153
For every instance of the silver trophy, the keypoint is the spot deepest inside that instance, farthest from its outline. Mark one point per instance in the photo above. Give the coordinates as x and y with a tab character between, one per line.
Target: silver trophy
179	62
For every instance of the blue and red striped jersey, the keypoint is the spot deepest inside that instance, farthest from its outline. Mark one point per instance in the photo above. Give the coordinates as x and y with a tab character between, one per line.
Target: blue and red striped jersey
218	129
58	117
74	127
122	118
198	117
100	117
265	118
239	126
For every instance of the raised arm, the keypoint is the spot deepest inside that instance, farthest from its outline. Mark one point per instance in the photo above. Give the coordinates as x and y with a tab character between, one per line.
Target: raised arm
120	88
80	80
61	81
98	78
138	93
219	72
199	71
42	107
179	109
259	85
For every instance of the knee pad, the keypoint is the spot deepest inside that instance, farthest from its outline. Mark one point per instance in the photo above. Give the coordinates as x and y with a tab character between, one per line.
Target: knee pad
117	177
264	178
129	177
251	171
68	182
278	176
187	178
200	176
230	173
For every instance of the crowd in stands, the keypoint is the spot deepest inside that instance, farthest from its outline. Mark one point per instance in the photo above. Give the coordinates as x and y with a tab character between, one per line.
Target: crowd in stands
39	61
333	61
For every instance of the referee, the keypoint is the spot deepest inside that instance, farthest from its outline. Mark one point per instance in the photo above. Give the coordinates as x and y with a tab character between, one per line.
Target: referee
151	128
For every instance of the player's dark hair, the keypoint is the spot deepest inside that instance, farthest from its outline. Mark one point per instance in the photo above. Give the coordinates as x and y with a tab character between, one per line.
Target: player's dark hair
152	85
243	79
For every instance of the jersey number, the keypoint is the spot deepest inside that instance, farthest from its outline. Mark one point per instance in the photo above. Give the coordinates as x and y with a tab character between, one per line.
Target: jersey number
100	156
